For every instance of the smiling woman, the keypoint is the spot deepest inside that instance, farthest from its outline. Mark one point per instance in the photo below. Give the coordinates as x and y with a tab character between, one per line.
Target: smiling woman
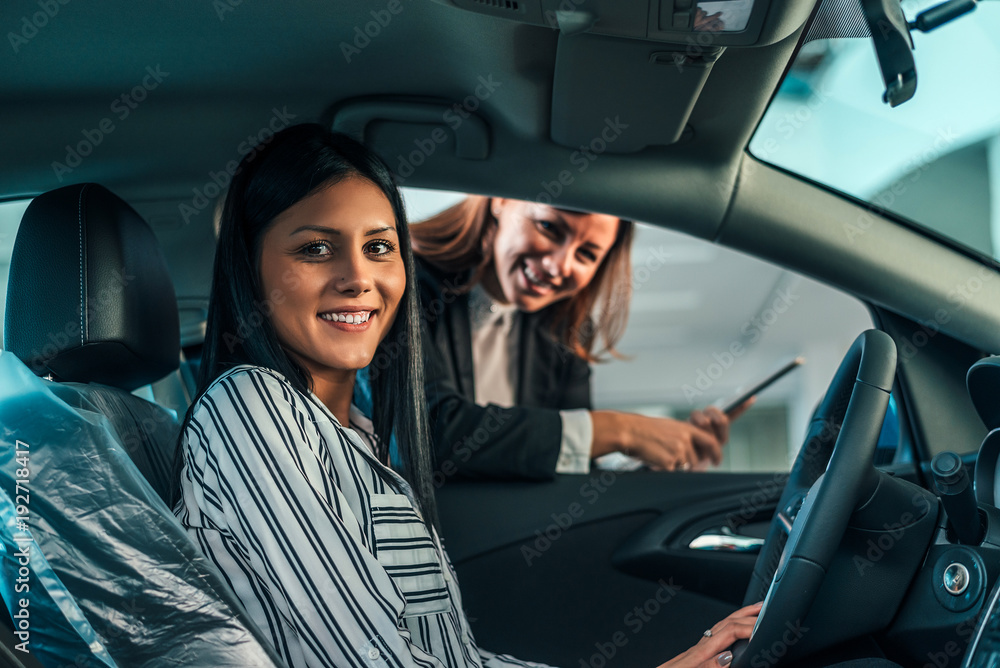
516	298
286	486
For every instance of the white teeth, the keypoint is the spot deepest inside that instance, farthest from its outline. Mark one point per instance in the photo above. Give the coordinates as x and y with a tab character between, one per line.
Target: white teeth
349	318
535	278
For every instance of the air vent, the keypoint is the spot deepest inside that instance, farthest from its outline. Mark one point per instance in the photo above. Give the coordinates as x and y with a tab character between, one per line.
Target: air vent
509	5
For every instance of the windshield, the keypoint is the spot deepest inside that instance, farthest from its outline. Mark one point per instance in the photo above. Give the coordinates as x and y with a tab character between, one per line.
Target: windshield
934	159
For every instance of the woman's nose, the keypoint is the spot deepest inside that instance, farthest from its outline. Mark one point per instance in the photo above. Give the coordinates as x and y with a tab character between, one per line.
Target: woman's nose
352	275
559	262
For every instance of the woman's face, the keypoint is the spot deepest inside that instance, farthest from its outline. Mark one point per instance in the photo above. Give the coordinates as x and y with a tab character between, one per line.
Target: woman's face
543	255
332	272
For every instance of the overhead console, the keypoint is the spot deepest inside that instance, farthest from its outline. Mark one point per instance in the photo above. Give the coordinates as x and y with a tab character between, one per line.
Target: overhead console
719	23
628	73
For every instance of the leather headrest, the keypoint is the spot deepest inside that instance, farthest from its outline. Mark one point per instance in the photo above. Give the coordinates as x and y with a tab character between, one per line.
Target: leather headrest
89	297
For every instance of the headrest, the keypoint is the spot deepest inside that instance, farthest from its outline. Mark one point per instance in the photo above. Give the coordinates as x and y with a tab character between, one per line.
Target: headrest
89	297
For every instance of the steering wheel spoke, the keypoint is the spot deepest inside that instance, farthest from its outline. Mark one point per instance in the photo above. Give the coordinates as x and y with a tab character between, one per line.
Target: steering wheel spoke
786	515
834	470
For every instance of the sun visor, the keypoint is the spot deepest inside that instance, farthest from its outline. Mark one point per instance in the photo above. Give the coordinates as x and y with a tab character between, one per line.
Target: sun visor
620	95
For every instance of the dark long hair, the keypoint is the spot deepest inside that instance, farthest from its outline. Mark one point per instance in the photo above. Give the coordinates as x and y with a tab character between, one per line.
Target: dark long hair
296	163
460	239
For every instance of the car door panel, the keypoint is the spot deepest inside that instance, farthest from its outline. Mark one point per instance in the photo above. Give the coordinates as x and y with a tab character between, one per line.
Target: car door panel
594	569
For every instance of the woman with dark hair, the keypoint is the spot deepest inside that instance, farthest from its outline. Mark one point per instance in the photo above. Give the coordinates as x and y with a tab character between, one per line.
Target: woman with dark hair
517	296
331	548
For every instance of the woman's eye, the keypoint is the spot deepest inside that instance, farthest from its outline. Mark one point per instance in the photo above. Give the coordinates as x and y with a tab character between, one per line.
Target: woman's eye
588	256
380	247
317	249
548	227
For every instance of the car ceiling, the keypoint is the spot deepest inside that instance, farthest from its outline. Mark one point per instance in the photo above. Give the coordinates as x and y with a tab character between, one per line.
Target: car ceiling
232	66
228	69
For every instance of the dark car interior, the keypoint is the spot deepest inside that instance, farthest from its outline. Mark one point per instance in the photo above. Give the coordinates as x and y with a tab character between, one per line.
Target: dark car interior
123	124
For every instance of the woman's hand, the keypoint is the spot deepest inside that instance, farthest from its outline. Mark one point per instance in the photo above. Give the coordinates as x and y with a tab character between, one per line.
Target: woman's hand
665	444
714	420
713	651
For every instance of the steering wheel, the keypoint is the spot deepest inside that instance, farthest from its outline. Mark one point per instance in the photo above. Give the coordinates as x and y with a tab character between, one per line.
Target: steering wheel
833	475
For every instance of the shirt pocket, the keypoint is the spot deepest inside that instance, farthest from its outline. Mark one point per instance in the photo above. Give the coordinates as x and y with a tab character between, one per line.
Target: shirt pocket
404	547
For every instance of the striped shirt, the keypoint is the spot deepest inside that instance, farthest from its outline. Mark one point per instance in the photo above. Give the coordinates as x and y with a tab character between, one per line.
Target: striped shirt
319	540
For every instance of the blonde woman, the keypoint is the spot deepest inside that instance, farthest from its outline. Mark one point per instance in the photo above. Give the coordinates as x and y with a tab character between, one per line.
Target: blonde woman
519	298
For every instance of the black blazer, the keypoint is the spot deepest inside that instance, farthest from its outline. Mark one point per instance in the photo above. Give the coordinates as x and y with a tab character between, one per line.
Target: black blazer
493	442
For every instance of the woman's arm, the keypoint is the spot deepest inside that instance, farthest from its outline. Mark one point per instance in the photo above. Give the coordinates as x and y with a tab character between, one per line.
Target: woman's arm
293	533
664	443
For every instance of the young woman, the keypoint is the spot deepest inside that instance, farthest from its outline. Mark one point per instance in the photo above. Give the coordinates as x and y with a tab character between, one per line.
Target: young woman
285	486
516	298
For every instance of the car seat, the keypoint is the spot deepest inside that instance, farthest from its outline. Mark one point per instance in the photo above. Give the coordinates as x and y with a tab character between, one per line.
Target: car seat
88	471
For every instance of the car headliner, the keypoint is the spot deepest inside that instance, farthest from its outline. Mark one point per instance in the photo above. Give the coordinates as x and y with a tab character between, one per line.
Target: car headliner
229	67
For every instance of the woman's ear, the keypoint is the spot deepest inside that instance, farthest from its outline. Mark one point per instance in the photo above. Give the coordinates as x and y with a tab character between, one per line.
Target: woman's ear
496	206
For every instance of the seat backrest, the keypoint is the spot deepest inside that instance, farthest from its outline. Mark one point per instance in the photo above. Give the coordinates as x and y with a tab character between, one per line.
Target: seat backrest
88	471
90	302
109	572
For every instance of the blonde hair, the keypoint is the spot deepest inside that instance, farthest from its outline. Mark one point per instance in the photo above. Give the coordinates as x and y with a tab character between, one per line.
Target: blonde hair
460	238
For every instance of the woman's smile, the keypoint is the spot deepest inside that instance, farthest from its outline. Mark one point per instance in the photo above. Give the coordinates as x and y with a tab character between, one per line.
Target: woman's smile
349	320
535	282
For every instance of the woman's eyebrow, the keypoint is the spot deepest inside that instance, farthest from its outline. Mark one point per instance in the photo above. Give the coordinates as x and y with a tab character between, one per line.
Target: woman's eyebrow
329	230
